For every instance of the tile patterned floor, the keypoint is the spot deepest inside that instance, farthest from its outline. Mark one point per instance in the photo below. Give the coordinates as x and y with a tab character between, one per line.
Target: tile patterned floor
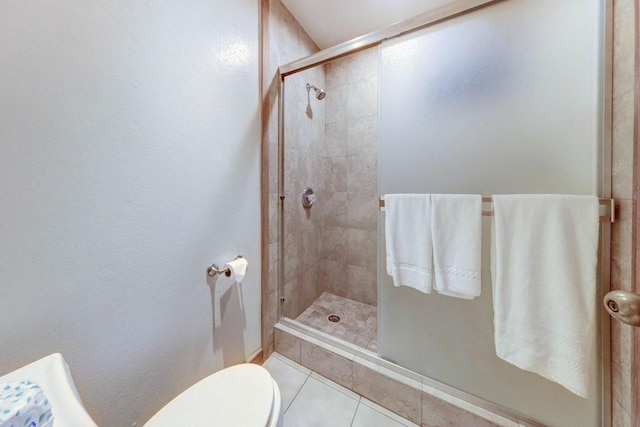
311	400
358	321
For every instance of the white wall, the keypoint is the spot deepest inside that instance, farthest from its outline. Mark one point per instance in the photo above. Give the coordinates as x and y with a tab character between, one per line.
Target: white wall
129	161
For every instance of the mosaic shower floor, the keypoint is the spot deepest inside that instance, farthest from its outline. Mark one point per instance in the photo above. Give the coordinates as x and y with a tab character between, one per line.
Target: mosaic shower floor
358	321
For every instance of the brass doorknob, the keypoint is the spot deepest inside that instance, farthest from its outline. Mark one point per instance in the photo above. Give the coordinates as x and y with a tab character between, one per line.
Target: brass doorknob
624	306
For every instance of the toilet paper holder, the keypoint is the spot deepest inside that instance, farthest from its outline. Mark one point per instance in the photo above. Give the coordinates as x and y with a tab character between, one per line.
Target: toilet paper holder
214	269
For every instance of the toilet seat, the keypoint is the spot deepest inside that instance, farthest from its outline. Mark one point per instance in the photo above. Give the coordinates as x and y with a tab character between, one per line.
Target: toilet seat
240	396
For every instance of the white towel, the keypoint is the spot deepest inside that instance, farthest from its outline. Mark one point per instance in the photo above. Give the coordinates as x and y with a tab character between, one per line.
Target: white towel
544	290
408	240
456	228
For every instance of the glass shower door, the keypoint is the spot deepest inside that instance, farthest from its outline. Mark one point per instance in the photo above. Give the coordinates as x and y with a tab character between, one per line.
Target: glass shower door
506	99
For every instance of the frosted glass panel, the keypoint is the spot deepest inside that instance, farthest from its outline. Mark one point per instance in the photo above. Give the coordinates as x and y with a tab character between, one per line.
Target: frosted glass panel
502	100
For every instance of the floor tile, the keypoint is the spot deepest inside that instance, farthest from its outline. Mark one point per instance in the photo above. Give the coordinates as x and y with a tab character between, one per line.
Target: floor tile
290	362
319	405
369	417
384	411
322	402
289	379
335	385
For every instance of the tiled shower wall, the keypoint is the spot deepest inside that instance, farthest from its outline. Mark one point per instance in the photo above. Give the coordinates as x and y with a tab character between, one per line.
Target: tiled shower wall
350	196
284	41
622	191
331	146
304	149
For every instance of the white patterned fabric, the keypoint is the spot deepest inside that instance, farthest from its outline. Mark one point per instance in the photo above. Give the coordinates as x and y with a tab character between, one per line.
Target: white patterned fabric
24	404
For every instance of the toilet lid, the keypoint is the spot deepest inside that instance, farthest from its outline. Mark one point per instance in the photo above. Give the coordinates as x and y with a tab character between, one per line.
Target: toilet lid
239	396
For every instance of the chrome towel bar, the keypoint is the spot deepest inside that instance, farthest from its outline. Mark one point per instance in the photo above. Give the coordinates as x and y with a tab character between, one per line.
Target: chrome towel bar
607	206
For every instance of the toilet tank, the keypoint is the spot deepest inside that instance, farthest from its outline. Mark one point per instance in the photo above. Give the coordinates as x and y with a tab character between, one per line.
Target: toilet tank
52	374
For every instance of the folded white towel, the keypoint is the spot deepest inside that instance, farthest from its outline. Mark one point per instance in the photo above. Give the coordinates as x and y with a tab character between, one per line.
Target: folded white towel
408	240
544	290
456	228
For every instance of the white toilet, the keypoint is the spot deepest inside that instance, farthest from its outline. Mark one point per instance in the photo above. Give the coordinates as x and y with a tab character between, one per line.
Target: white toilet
240	396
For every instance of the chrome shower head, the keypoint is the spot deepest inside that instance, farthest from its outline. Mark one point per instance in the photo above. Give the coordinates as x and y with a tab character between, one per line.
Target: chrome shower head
320	94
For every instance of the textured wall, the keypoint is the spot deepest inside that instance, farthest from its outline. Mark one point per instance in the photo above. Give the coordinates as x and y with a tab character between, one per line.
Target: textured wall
129	159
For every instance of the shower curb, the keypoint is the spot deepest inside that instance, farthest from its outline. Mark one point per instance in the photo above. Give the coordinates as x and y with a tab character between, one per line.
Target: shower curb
400	390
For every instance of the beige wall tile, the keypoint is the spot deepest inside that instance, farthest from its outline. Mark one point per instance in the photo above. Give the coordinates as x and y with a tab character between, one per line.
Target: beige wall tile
274	203
310	237
287	345
283	33
292	261
622	146
336	103
621	417
335	174
335	72
273	170
326	363
362	284
362	136
292	302
621	372
335	138
362	248
623	85
362	173
362	211
623	46
621	241
336	210
393	395
363	65
621	335
362	100
334	244
438	413
334	277
309	288
269	318
272	285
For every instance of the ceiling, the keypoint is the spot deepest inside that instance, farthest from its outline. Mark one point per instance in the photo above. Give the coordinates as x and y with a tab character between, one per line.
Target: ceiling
330	22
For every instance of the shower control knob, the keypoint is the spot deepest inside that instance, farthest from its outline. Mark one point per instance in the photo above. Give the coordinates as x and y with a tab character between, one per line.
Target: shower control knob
308	198
624	306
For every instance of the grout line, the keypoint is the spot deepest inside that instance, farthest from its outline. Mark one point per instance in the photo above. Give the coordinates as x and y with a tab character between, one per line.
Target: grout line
291	363
297	393
337	387
356	411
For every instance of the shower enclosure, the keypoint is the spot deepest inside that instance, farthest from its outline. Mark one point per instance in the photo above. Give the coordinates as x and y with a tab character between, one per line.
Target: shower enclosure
506	98
330	246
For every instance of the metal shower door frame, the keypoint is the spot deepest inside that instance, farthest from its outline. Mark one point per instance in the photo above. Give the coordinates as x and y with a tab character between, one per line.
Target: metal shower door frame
451	10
